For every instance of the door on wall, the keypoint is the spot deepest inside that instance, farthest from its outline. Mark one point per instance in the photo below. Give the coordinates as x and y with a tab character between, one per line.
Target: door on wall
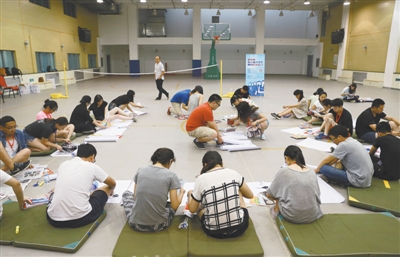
108	63
309	65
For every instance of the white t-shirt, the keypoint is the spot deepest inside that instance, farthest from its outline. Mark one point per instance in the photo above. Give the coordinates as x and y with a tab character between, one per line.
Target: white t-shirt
318	106
218	193
4	177
72	191
312	99
158	69
12	151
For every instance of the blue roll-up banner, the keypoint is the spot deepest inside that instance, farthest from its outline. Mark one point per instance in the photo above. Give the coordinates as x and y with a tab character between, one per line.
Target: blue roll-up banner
255	70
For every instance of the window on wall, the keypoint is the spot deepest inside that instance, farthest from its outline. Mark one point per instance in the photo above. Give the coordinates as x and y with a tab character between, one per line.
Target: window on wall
73	62
325	16
92	61
7	59
45	62
69	8
44	3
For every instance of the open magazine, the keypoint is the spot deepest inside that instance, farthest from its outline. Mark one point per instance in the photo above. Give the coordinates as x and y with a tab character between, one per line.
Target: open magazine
36	201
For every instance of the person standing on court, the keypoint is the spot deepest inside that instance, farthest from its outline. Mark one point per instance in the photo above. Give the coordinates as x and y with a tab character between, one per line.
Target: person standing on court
159	75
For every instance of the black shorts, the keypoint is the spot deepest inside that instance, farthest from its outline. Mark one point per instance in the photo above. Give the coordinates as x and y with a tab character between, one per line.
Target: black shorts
111	106
230	232
97	200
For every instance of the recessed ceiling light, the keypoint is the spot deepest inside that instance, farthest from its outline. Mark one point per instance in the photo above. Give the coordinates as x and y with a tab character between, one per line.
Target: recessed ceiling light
184	1
306	2
99	1
346	2
266	2
143	1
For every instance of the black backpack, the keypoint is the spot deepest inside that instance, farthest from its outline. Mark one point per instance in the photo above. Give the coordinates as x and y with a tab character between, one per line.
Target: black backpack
16	72
8	72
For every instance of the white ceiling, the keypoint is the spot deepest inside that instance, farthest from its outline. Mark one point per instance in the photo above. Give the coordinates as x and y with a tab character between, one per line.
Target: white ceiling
233	4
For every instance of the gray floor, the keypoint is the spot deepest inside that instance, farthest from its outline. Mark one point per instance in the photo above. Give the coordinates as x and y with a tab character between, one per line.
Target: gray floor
122	159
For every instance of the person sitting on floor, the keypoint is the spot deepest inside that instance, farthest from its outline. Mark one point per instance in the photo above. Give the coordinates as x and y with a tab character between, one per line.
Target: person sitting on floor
40	134
242	92
16	187
319	115
9	164
13	141
387	166
217	198
368	119
353	166
256	122
124	101
336	116
235	100
195	99
299	110
147	209
349	94
81	119
72	205
201	124
295	190
314	97
49	108
101	113
178	102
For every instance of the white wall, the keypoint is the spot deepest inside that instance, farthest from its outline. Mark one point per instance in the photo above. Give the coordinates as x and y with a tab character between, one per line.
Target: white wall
178	24
113	29
119	58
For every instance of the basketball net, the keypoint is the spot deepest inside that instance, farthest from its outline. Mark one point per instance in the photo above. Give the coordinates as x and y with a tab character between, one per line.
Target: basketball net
216	38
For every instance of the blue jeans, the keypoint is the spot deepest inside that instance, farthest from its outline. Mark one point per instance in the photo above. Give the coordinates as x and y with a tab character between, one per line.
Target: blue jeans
334	174
369	137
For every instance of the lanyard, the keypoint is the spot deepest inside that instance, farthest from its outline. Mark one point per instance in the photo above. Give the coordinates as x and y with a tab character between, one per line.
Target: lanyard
338	117
11	145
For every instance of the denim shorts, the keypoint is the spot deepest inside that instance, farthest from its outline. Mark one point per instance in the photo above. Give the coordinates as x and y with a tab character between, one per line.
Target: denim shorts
28	138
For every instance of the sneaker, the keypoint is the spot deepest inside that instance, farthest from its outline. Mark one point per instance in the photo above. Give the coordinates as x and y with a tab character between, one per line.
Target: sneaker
73	134
183	117
262	137
158	98
273	213
168	111
134	119
276	116
287	115
20	166
198	145
324	178
88	131
321	136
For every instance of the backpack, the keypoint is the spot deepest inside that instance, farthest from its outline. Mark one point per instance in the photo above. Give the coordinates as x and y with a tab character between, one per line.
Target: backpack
15	71
8	72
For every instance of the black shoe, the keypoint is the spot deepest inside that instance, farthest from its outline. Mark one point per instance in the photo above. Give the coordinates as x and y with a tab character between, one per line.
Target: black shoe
167	96
88	132
20	166
276	116
158	98
198	145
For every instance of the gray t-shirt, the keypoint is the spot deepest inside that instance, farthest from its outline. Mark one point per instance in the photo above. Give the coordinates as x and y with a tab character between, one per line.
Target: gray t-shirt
298	195
152	187
356	161
193	102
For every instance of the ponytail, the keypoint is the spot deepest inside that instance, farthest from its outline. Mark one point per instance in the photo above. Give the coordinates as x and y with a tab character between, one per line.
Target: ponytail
295	153
210	160
51	104
163	156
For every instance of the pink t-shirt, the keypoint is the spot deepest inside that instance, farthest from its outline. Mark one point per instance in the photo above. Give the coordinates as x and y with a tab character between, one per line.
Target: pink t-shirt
42	115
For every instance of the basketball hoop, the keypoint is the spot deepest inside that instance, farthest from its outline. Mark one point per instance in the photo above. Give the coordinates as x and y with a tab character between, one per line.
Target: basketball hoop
216	38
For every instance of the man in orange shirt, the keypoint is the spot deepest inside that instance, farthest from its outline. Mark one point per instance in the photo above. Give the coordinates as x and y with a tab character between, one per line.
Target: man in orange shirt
201	124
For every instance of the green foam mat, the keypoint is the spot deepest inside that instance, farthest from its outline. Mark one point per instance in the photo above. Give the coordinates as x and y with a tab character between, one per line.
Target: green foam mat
375	234
201	245
52	150
35	232
170	242
307	118
382	195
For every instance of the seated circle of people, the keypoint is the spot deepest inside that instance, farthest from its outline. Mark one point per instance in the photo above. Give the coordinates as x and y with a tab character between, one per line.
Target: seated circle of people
124	101
299	110
181	101
49	108
81	119
39	135
217	198
201	124
295	190
336	116
317	105
147	209
14	144
72	204
256	122
101	112
349	164
387	165
368	119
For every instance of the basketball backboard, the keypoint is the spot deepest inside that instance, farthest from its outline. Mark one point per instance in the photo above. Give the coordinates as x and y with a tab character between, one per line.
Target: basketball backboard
216	31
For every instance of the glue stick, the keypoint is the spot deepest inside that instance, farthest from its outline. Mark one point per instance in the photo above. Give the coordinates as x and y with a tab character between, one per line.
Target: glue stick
17	230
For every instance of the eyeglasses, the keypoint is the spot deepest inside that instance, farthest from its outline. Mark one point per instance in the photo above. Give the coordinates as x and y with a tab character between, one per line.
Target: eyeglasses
10	128
219	104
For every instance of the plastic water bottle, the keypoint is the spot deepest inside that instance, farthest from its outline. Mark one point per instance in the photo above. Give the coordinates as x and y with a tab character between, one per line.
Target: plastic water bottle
46	178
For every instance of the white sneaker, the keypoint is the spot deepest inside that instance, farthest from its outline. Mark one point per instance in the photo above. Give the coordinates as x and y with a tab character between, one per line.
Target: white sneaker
262	137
